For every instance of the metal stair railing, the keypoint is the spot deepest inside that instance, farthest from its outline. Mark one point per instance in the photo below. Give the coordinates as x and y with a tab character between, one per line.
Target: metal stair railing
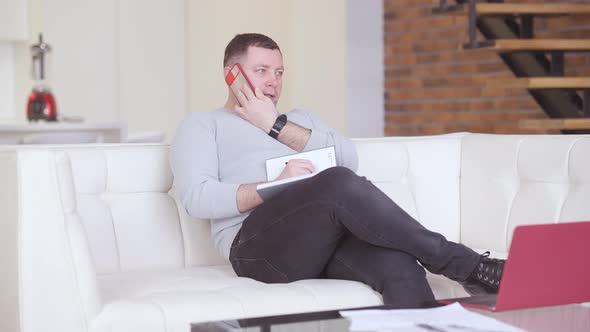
556	103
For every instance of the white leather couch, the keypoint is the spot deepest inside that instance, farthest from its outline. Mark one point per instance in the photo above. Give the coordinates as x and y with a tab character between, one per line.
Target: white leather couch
92	238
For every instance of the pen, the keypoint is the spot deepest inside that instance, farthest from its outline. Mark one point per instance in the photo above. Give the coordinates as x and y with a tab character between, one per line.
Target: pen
430	327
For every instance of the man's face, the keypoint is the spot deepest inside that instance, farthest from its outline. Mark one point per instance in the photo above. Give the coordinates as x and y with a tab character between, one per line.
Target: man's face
264	68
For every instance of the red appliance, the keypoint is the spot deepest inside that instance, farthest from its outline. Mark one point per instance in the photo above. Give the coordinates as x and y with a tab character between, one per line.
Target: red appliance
41	104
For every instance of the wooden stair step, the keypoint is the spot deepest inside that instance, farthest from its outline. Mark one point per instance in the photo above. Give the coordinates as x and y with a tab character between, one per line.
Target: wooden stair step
543	83
547	124
513	45
509	9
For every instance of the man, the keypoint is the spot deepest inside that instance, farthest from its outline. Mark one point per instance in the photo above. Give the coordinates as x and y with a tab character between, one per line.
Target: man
333	225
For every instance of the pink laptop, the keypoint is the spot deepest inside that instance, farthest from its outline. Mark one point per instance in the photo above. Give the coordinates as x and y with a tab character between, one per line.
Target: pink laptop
547	265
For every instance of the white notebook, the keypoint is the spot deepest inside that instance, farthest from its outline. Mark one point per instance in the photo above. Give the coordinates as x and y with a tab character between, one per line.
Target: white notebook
321	159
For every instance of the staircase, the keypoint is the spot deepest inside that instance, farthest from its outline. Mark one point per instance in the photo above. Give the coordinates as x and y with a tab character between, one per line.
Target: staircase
538	64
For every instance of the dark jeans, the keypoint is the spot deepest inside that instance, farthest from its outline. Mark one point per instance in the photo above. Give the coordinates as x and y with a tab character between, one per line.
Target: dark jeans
339	225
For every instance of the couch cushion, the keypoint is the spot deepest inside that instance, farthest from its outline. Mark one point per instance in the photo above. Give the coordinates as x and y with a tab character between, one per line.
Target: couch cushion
445	288
174	298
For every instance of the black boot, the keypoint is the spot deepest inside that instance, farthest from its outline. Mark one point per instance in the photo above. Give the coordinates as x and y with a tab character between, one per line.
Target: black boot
486	276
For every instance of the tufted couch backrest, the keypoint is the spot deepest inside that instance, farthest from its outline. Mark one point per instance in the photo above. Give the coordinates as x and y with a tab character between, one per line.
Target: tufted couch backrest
421	174
125	200
508	181
472	188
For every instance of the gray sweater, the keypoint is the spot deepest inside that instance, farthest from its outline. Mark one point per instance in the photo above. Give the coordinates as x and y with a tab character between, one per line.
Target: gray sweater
214	152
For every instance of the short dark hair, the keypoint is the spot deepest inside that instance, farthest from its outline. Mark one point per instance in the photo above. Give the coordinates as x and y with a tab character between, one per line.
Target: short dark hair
239	45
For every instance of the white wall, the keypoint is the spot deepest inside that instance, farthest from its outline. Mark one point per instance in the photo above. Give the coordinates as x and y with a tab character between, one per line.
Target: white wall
211	25
150	62
332	52
7	81
14	20
14	29
84	60
113	60
318	59
311	34
365	83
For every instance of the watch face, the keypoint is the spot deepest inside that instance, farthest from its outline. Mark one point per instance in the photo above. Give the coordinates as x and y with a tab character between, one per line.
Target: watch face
280	122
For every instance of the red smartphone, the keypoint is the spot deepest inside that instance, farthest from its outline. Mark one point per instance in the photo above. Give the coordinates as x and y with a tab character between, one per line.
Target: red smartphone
236	79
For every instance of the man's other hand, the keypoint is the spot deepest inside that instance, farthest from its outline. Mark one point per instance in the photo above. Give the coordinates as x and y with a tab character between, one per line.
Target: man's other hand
257	109
296	167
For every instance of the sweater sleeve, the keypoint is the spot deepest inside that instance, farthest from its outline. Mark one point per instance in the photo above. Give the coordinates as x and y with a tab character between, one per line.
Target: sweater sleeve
194	163
323	136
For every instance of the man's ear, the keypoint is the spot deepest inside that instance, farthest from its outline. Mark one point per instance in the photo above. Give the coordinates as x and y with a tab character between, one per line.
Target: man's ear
226	71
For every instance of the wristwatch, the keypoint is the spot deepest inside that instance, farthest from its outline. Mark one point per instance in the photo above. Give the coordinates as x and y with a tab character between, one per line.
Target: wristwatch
278	126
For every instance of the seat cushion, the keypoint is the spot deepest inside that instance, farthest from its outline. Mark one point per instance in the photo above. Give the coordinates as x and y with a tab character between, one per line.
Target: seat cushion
170	300
444	288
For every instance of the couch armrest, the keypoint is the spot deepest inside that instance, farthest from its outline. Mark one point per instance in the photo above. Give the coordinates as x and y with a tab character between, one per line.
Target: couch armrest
51	282
9	280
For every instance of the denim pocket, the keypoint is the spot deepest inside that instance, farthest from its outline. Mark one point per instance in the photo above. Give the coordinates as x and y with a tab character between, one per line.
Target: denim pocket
259	269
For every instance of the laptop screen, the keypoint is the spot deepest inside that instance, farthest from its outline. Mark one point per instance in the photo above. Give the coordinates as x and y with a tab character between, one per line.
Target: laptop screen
548	264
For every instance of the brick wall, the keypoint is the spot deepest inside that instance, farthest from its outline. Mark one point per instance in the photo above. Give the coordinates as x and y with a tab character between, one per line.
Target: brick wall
433	87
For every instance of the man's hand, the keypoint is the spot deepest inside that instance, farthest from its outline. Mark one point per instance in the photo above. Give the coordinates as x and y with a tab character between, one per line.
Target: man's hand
257	109
296	167
247	197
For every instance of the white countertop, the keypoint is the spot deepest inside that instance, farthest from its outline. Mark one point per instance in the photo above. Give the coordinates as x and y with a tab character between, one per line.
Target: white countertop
13	132
50	126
